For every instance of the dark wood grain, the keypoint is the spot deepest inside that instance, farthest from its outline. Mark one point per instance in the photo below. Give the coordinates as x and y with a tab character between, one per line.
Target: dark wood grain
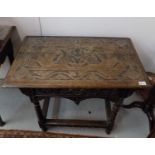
45	106
76	123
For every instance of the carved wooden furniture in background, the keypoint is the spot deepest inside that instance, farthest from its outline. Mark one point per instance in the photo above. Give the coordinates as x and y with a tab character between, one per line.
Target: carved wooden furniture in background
9	42
149	101
77	68
152	132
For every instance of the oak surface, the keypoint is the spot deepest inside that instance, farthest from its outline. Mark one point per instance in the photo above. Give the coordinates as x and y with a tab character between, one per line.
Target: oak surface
76	62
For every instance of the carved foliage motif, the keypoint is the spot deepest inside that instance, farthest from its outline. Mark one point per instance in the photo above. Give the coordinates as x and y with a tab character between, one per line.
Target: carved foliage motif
77	59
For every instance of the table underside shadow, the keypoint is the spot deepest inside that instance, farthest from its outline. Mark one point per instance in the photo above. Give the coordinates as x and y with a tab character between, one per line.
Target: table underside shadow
77	95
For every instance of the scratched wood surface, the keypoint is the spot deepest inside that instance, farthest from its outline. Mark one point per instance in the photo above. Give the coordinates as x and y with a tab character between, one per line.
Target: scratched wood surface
77	62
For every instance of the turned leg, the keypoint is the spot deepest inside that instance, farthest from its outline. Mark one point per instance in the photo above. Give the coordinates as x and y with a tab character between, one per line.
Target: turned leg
1	121
108	115
40	116
113	115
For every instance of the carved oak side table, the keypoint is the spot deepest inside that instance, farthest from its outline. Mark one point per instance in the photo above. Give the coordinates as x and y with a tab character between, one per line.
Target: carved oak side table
77	68
9	40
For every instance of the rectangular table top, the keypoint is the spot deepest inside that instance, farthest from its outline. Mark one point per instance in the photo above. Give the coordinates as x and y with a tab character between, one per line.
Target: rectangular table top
77	62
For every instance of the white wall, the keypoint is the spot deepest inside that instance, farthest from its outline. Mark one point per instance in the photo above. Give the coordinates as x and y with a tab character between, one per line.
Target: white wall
25	26
140	30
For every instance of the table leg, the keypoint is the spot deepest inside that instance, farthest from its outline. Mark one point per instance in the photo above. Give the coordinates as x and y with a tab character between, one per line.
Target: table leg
40	116
1	121
113	115
43	122
108	115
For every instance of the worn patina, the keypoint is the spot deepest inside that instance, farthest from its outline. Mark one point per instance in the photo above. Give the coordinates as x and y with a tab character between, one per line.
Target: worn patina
77	62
